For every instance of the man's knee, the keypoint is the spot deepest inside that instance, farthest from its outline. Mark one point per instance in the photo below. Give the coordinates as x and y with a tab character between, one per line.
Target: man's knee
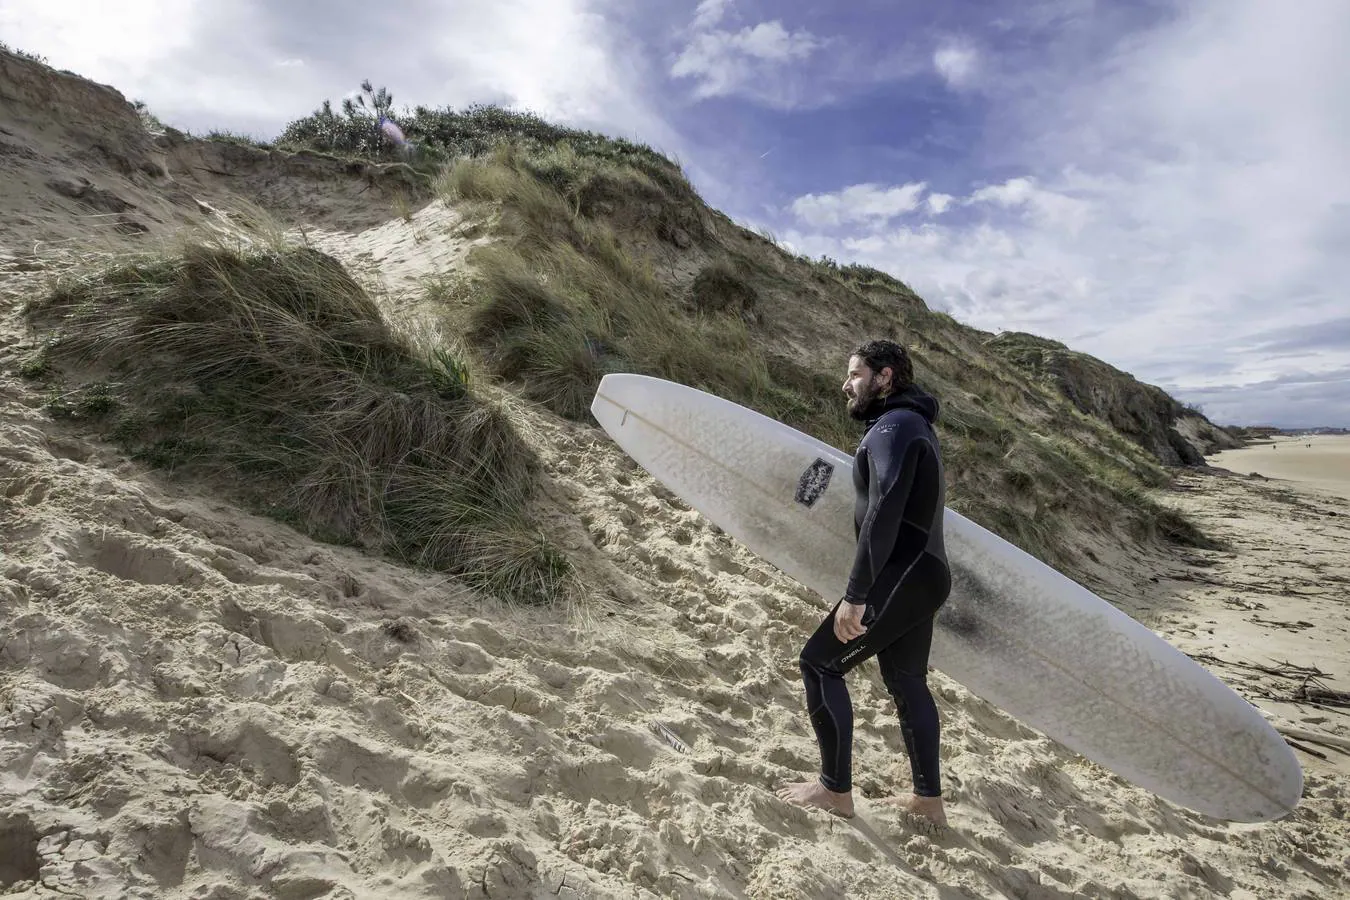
904	687
814	666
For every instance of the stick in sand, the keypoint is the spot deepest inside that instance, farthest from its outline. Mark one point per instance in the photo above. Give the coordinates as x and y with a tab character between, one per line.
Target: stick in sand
1327	740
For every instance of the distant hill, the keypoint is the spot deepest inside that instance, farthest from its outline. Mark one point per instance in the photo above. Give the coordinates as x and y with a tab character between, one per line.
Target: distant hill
1248	433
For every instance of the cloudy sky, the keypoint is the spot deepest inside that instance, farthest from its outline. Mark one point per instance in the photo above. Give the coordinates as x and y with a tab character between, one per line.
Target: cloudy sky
1161	183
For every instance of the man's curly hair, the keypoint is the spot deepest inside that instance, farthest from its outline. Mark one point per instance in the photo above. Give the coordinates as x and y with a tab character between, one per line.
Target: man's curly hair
882	354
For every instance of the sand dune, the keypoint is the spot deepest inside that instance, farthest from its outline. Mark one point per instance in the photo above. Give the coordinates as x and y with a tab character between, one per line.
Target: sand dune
196	702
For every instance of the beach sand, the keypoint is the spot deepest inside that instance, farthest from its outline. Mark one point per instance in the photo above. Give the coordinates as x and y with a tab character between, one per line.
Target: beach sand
1319	462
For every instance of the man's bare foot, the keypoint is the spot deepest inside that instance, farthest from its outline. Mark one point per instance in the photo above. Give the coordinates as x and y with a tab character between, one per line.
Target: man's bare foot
929	808
813	793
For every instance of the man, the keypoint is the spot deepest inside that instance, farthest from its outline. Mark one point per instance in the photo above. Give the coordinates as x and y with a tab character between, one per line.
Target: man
898	582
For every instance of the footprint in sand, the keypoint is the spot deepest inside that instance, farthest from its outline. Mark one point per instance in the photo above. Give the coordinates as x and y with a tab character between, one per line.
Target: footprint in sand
405	779
130	557
63	657
559	678
524	700
30	489
670	570
482	633
466	658
636	748
248	743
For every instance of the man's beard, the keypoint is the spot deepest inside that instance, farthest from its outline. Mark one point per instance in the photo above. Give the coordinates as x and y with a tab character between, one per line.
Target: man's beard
861	405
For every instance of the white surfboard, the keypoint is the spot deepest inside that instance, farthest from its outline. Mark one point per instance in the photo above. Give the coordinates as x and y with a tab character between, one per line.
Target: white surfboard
1015	631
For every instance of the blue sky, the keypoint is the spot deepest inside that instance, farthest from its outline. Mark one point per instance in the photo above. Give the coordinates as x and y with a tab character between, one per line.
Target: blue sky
1160	183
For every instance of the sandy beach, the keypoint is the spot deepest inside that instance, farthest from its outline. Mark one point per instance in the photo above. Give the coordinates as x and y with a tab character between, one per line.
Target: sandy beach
1318	462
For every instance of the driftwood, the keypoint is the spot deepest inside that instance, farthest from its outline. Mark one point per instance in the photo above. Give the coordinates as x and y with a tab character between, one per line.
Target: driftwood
1282	670
1313	737
1311	689
1308	750
1322	695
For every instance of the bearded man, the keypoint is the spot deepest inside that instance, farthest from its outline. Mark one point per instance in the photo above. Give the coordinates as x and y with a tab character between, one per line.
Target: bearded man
899	581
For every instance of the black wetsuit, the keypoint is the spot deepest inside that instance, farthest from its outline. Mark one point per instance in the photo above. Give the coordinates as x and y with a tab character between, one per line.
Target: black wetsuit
901	574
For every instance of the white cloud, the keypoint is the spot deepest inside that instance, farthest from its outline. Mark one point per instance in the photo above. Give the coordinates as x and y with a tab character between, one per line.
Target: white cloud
203	65
939	203
724	63
558	58
78	35
872	204
1181	200
771	41
957	62
1049	208
1011	193
710	13
777	65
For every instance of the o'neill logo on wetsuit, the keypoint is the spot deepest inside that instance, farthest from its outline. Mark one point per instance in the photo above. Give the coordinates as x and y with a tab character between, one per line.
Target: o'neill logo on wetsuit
813	482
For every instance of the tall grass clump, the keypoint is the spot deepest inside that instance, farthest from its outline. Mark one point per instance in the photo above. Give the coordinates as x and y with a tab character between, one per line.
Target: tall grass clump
24	54
275	368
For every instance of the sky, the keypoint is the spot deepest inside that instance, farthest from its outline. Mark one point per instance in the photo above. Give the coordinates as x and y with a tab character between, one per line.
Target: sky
1160	183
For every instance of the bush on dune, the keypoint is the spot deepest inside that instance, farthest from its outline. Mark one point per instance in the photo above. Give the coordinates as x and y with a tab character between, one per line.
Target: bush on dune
275	368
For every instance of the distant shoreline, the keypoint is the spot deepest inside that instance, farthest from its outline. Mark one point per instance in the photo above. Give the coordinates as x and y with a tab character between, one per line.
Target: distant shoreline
1319	462
1251	438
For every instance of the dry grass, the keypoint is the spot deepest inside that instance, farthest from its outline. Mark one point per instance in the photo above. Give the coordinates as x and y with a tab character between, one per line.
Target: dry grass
272	367
721	287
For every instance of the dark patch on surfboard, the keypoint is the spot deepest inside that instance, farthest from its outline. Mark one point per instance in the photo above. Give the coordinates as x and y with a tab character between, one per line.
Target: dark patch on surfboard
813	482
958	614
959	620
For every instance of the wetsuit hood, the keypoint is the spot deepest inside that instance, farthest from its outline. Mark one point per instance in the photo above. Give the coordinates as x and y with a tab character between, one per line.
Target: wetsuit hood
912	397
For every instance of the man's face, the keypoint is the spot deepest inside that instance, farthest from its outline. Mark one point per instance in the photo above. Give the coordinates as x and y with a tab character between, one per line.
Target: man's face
862	386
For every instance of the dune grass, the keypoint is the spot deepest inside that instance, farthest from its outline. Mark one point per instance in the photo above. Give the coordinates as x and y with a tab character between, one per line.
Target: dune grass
560	302
273	368
24	54
1025	463
561	298
439	135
